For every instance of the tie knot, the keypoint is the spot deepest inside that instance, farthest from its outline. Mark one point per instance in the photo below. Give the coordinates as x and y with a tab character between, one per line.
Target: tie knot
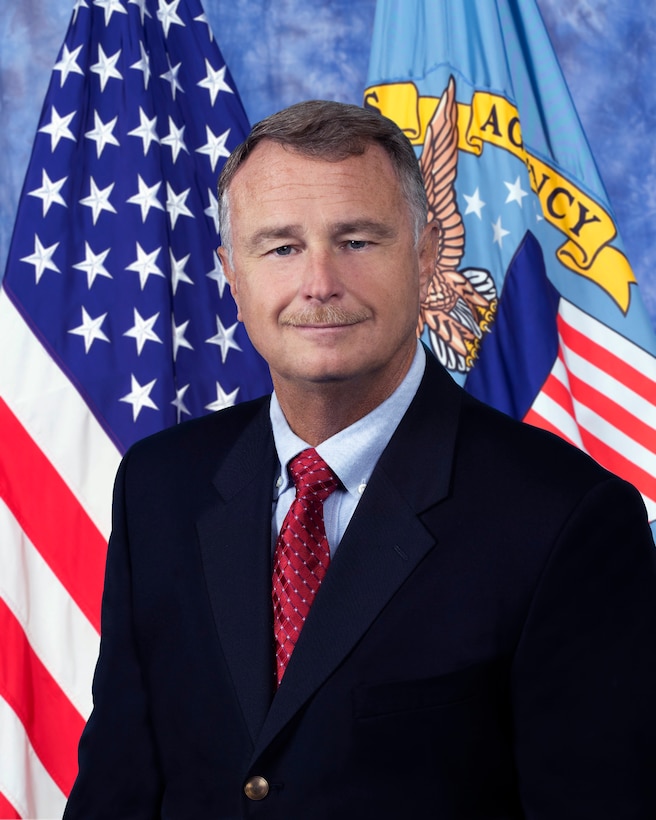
312	476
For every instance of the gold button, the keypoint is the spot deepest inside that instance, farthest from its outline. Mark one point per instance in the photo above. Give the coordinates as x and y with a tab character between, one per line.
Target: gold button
256	788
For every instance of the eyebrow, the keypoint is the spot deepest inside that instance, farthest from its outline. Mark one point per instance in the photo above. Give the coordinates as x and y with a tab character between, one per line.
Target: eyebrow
371	227
266	235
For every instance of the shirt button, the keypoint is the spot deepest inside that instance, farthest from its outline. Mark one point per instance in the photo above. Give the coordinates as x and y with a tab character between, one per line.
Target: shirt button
256	788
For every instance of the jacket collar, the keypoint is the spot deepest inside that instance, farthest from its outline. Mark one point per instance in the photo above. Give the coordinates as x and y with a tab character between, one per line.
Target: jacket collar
235	540
384	543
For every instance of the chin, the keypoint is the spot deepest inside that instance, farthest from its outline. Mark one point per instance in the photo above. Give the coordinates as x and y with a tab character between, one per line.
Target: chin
324	376
319	375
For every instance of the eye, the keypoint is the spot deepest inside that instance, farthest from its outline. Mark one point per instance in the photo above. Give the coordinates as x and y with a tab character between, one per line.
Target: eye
283	250
357	244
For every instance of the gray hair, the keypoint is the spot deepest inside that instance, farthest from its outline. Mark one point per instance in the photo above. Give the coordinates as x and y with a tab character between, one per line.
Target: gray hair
330	131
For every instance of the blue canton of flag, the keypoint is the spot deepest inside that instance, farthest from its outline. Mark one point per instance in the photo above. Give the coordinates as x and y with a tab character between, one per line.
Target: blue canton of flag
113	257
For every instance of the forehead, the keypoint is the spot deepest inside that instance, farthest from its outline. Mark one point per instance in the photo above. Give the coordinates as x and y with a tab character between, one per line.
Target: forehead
276	177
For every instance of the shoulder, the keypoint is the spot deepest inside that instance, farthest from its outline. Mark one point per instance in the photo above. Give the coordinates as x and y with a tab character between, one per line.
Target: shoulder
549	490
227	422
201	444
511	460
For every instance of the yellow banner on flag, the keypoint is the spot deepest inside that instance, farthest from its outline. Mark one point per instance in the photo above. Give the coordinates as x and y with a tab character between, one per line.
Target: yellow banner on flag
494	120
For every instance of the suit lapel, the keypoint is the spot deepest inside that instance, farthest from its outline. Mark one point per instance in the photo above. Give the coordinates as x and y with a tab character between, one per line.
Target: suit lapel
382	546
235	539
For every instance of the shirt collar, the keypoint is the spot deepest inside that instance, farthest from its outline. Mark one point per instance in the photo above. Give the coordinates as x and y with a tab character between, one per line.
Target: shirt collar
353	452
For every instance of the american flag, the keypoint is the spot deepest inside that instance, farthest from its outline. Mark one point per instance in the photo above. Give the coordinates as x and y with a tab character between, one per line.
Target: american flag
115	321
554	365
601	396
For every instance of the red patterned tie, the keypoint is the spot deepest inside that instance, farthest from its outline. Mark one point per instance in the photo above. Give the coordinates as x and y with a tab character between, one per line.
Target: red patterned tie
302	555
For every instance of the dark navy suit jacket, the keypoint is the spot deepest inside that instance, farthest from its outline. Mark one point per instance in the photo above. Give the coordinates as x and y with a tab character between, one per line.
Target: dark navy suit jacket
482	645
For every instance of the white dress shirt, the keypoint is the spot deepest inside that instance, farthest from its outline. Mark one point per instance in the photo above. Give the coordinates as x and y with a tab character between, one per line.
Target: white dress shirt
351	454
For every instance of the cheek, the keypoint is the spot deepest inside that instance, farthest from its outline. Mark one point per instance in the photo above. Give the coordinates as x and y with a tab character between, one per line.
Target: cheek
258	306
269	292
249	315
389	296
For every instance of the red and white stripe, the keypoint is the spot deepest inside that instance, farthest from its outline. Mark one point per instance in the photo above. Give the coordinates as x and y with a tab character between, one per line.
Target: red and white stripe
601	396
57	467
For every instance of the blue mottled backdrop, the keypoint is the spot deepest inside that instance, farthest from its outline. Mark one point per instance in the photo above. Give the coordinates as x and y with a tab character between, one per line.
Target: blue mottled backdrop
283	51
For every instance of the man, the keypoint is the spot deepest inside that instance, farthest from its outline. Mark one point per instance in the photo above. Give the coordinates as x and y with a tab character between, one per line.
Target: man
470	631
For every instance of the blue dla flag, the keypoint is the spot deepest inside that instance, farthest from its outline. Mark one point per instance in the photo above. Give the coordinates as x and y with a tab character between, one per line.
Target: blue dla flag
533	305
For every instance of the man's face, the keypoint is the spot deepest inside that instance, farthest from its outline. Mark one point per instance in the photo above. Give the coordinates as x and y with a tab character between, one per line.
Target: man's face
325	272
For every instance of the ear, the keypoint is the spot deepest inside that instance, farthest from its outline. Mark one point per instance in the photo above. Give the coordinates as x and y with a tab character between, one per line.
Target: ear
229	273
427	255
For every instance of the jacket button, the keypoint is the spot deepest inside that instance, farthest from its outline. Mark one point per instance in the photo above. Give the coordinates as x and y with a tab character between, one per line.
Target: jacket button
256	788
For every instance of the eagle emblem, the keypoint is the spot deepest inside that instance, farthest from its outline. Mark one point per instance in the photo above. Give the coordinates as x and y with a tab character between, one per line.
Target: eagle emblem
461	303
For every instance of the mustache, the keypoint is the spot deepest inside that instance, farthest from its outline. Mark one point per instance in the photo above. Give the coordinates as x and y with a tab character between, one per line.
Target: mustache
324	315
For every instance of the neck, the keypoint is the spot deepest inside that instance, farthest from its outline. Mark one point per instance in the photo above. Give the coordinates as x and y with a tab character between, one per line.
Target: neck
317	411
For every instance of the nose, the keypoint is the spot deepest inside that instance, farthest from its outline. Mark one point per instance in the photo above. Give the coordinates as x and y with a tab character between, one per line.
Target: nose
322	279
